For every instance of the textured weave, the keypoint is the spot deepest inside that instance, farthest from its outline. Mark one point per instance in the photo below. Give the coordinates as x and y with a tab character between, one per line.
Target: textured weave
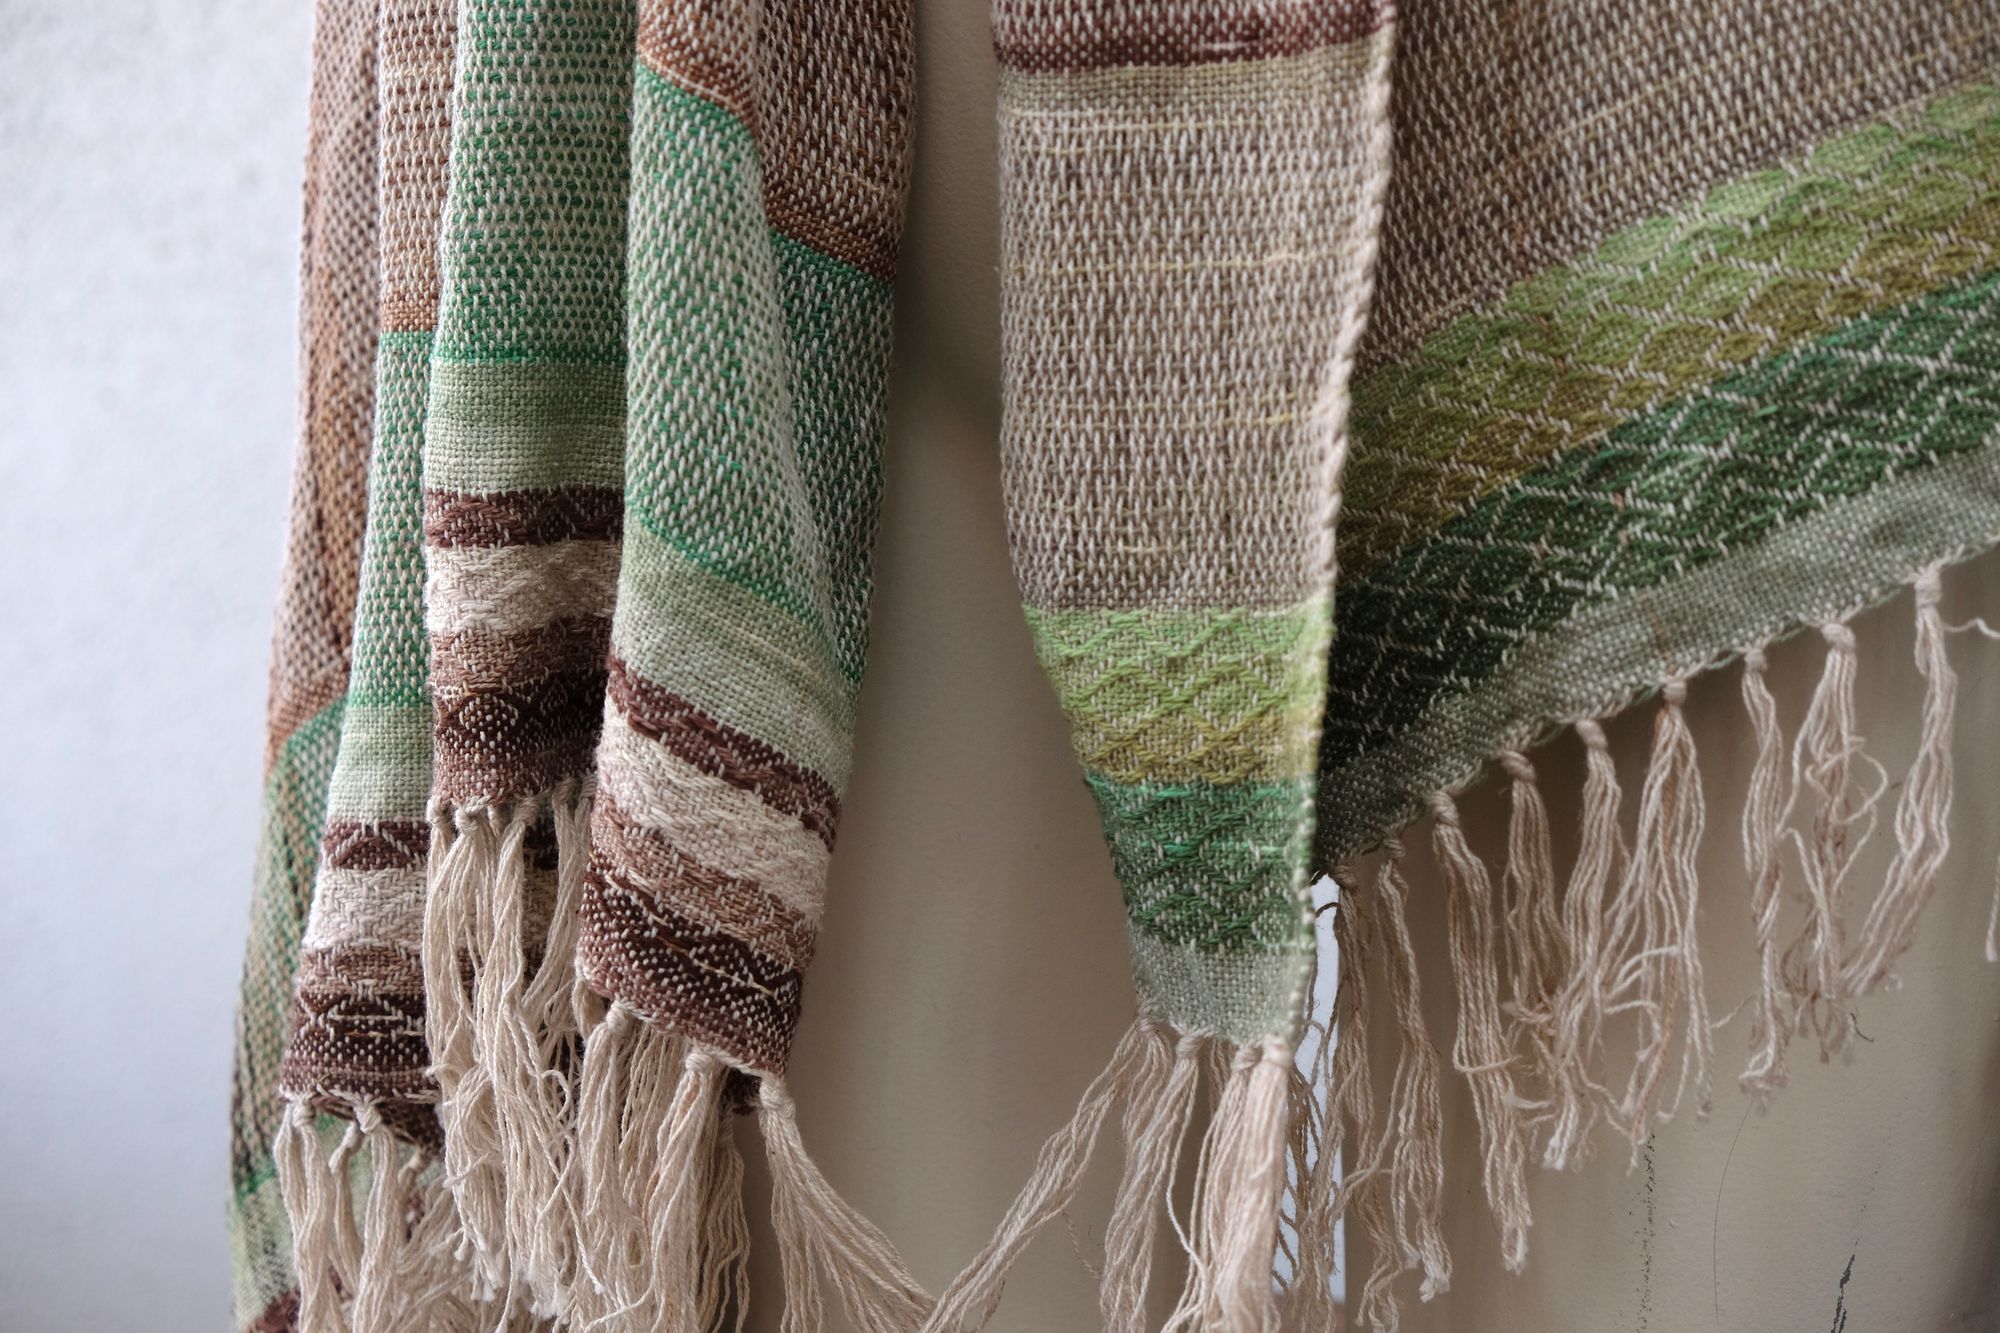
1780	316
337	328
1185	204
712	194
1621	341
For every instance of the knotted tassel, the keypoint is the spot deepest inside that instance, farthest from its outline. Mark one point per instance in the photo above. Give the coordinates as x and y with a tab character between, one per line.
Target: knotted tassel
1764	805
1651	928
1479	1050
1577	1023
1923	832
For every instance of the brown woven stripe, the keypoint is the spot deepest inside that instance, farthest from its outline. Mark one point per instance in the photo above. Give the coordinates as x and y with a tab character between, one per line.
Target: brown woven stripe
524	518
684	974
387	844
781	94
736	906
358	1032
280	1316
516	714
1045	37
721	751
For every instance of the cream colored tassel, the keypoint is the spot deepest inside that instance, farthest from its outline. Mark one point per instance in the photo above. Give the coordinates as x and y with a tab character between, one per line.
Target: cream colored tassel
1652	929
1480	1048
1764	807
465	859
823	1240
1822	765
1156	1123
1537	957
1923	811
1416	1112
1577	1023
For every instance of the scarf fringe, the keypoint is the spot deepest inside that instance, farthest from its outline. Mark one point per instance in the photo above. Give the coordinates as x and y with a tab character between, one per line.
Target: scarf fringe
386	1265
505	1040
663	1240
1239	1191
1618	943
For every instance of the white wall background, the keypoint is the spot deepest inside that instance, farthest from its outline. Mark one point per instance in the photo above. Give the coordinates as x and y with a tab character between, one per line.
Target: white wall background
970	980
149	187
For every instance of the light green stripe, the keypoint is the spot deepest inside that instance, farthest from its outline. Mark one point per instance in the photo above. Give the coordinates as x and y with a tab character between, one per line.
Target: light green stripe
740	659
1220	695
1243	997
1761	264
384	771
1820	568
510	427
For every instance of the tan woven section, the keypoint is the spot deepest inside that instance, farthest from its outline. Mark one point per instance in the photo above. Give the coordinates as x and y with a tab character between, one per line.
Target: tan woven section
1613	112
1171	261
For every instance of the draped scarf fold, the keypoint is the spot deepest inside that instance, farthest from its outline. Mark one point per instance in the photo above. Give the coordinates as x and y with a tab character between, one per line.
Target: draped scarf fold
1390	390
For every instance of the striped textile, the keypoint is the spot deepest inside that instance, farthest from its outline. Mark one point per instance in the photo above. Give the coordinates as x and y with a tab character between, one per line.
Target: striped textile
574	780
1591	346
338	295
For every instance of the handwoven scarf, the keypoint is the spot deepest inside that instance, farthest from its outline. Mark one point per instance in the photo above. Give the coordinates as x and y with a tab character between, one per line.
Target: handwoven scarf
629	354
1593	346
1682	334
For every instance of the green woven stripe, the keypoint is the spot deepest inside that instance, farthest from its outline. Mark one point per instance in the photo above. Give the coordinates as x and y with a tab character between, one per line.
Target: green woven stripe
1663	496
385	763
1216	696
535	233
735	656
1823	567
499	428
1239	996
1761	264
729	318
1213	867
390	649
287	855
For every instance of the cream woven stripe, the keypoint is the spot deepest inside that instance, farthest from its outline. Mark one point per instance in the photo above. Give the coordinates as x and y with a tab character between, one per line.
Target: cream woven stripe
725	828
367	907
508	589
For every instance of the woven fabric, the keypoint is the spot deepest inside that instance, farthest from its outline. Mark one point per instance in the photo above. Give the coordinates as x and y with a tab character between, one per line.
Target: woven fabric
510	201
1682	416
1186	201
762	246
358	1008
338	296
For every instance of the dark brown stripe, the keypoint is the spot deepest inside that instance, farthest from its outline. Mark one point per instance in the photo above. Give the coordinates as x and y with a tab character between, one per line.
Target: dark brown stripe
1056	37
280	1316
516	714
738	907
386	844
692	978
358	1037
721	751
524	518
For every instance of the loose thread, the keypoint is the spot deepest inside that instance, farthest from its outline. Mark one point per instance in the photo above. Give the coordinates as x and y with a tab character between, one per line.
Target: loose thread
969	1302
